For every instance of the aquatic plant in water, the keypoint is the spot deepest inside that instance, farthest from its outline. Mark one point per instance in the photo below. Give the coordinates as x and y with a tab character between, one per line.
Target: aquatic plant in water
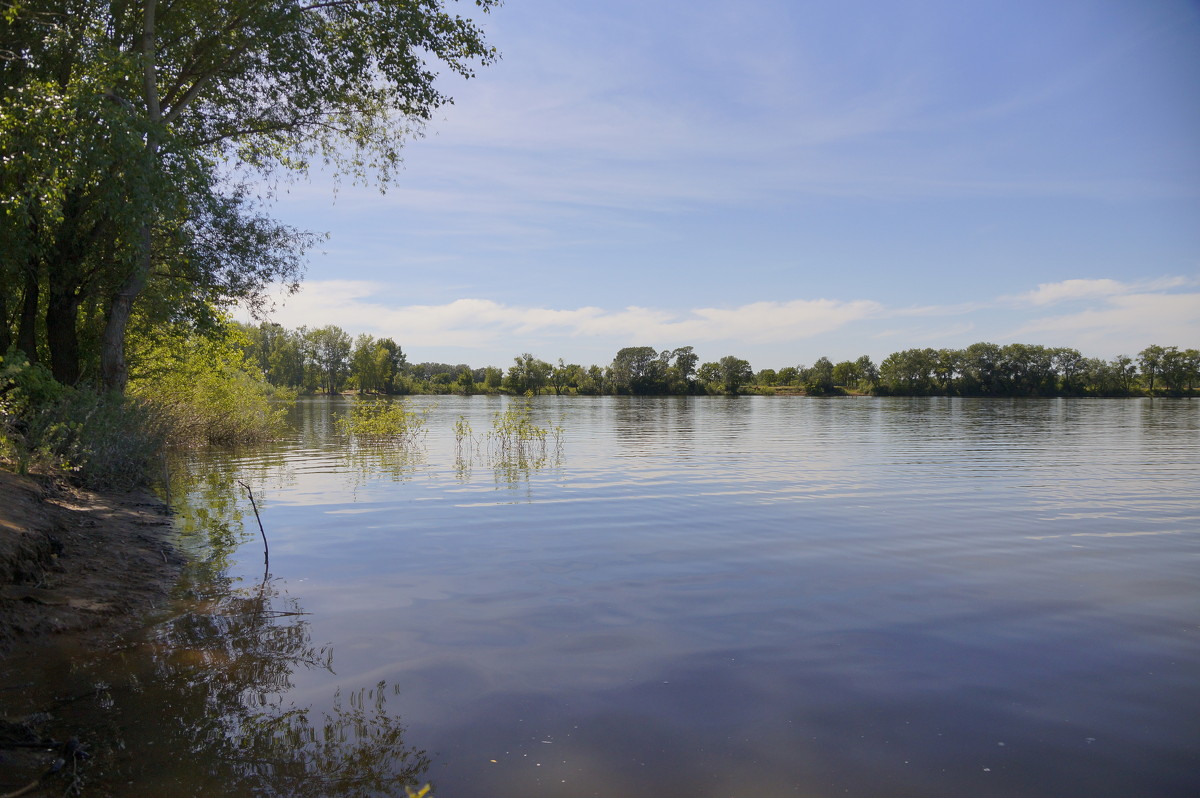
383	420
515	438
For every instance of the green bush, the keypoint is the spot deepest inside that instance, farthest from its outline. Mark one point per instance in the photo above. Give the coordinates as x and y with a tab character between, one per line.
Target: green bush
96	440
205	391
383	420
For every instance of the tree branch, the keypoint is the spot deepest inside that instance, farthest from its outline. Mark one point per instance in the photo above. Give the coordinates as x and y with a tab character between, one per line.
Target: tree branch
149	72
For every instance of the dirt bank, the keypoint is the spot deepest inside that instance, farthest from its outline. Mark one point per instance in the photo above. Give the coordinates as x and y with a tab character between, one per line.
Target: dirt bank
79	563
76	569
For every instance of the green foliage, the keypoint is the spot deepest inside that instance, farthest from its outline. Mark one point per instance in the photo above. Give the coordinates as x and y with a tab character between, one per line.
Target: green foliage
734	373
204	388
384	420
327	353
131	134
514	436
528	375
986	369
819	380
638	370
96	440
982	369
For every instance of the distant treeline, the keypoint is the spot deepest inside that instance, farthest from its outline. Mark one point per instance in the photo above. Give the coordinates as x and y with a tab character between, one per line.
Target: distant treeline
329	360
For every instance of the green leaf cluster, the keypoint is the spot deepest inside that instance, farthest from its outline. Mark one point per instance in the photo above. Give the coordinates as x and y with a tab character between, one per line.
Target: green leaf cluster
98	440
141	140
204	388
380	420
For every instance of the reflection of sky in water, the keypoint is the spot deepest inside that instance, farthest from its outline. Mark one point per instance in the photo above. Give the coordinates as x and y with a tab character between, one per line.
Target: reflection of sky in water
840	594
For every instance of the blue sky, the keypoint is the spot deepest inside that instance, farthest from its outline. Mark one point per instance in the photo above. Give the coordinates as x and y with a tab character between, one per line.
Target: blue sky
782	180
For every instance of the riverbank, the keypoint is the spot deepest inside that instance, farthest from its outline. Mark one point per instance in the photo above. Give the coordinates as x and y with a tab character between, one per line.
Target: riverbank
77	569
74	562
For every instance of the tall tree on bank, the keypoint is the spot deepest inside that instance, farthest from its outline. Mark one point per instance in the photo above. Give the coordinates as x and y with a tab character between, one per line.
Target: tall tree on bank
130	131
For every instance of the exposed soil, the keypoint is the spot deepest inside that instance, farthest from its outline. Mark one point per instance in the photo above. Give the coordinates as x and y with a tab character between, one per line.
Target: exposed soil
76	569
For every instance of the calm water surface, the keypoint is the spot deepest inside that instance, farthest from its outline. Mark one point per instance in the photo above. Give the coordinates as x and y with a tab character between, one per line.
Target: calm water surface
691	596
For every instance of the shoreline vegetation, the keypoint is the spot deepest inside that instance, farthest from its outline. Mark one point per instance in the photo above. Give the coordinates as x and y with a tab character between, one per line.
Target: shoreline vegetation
229	383
328	360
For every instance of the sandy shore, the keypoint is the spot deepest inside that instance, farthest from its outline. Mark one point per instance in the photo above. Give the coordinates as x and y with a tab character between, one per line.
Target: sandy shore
73	562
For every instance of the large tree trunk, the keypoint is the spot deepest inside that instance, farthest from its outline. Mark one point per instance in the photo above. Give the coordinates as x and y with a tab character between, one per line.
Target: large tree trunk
114	372
6	339
62	333
27	329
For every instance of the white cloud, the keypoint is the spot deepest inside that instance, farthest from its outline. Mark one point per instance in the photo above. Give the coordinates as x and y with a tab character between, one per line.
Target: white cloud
363	306
1067	290
1106	318
1071	290
1124	323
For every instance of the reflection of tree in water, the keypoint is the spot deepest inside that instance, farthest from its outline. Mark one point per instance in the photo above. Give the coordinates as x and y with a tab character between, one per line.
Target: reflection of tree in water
364	461
356	749
210	511
226	667
210	713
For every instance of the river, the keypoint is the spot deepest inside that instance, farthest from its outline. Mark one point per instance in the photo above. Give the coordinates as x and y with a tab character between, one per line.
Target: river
714	596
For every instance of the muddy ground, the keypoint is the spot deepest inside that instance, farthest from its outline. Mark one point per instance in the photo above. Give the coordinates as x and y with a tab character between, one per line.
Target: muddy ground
76	570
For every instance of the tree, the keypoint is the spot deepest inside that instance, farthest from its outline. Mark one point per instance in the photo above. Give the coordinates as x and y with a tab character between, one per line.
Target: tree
560	376
363	369
528	374
846	374
1026	370
1176	369
118	123
869	373
1126	372
638	370
788	375
389	364
980	369
328	350
709	376
681	374
819	379
909	371
734	373
1192	365
1150	362
1069	366
465	384
591	381
947	366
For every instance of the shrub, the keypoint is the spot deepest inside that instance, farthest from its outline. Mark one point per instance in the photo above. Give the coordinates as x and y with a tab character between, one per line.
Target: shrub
382	420
205	391
96	440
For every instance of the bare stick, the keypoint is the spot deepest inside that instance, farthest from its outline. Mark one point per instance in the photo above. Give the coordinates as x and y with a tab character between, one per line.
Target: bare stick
166	479
266	551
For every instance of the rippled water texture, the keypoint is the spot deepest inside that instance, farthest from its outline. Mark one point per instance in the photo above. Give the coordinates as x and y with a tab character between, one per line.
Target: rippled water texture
711	597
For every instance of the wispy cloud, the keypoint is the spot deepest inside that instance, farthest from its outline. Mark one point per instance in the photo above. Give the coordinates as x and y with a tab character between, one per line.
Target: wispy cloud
1108	317
366	307
1122	323
1083	289
1101	317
